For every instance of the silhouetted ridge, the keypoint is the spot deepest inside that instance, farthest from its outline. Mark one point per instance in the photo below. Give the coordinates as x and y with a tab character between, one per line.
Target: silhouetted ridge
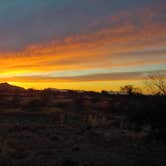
5	87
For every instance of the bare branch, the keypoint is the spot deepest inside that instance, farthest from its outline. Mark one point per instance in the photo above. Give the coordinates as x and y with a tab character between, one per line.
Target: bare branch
157	82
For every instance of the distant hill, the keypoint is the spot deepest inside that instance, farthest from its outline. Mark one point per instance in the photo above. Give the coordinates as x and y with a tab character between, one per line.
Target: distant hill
7	88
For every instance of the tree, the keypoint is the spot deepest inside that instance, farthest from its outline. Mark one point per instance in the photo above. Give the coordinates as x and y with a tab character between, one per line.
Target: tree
156	82
130	89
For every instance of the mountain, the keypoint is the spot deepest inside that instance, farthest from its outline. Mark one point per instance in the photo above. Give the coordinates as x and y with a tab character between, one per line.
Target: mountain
7	88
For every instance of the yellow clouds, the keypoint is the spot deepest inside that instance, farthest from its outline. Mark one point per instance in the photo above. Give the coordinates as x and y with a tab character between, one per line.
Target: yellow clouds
90	77
95	86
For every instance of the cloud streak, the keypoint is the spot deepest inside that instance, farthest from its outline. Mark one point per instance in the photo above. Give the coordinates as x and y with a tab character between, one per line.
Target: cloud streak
130	38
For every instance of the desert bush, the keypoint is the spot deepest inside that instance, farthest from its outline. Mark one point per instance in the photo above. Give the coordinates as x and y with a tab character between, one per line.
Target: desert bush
33	106
98	121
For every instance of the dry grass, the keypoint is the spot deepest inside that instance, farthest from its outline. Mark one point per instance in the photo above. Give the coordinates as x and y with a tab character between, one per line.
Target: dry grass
51	140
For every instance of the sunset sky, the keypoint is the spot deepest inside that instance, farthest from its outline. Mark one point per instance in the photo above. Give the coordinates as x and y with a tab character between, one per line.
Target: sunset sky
81	44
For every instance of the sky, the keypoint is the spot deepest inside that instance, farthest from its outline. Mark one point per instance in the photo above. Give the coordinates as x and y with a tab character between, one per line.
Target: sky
81	44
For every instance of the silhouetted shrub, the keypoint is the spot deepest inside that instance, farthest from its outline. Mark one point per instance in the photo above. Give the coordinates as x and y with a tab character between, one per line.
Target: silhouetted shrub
33	106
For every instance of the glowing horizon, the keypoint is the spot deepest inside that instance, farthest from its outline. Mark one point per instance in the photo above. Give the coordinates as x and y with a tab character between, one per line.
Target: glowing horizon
90	45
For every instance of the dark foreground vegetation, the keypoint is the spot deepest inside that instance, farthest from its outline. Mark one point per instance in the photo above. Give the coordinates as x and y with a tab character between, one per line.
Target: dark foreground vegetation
76	128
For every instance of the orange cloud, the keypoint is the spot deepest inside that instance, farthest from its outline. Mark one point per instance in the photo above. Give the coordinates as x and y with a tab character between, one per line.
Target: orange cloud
103	45
111	46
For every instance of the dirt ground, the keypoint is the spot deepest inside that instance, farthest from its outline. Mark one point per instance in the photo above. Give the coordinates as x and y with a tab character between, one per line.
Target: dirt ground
45	141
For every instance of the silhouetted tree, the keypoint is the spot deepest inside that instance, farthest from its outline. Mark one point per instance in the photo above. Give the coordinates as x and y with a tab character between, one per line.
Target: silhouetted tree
130	89
156	82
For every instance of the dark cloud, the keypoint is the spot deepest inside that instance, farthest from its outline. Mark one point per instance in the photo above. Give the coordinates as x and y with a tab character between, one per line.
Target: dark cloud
29	22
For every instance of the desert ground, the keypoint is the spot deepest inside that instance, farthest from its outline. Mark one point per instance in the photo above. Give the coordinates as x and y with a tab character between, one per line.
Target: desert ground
81	129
